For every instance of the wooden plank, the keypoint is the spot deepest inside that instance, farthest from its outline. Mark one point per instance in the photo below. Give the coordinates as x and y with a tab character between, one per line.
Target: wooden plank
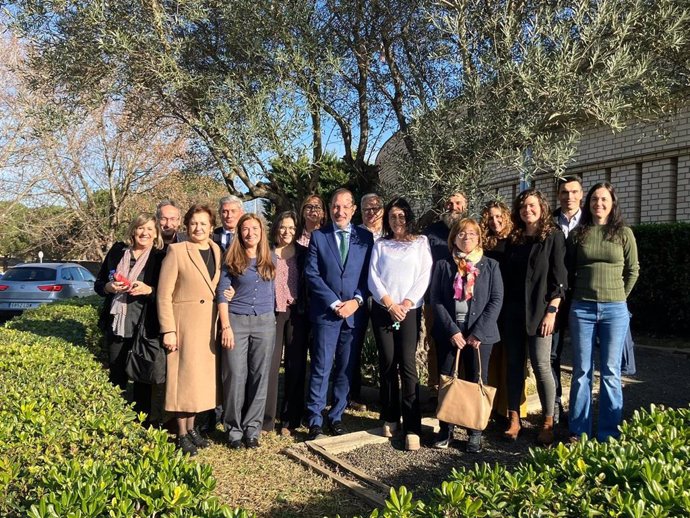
371	497
348	467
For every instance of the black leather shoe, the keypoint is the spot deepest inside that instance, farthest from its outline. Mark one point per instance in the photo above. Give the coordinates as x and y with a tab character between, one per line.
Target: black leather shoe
337	428
315	432
474	443
197	439
234	444
252	443
185	444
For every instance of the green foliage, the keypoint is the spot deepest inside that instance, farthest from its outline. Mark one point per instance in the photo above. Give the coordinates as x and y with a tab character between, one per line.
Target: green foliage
644	473
661	294
74	321
299	178
69	443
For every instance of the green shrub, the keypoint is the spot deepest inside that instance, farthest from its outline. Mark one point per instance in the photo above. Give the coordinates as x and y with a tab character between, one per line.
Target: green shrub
660	302
71	446
644	473
75	321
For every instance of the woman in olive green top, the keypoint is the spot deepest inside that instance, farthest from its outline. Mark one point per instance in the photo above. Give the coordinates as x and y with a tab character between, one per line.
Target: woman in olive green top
603	256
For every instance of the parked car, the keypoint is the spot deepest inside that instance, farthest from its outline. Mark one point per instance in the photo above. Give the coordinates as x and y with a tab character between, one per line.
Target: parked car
29	285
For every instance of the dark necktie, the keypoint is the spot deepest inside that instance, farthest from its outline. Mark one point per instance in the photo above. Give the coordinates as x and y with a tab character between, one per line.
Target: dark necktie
343	245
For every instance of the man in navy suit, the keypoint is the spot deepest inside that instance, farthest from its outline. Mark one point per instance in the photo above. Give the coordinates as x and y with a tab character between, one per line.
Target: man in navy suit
336	270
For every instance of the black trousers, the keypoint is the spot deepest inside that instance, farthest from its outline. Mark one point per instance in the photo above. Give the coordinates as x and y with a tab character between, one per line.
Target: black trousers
292	337
397	356
118	348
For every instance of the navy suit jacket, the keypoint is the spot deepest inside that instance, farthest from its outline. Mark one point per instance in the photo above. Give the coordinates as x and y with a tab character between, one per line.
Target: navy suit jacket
329	280
484	307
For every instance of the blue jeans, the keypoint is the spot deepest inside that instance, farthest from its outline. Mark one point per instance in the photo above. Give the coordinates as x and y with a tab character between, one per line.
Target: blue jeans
608	322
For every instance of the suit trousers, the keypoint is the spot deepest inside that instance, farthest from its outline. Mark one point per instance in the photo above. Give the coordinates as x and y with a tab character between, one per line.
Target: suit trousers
331	351
397	356
245	374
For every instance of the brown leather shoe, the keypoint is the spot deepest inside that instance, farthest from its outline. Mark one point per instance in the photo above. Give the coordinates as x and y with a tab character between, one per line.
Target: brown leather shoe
545	437
514	428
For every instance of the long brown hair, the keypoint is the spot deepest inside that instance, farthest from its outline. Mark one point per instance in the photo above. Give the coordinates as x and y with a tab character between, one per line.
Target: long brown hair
237	260
491	237
613	226
546	224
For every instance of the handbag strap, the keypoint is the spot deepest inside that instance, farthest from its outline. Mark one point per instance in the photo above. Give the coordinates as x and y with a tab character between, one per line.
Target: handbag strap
456	367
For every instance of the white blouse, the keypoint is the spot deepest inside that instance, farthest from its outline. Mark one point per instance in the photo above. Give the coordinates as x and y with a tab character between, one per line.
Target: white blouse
400	269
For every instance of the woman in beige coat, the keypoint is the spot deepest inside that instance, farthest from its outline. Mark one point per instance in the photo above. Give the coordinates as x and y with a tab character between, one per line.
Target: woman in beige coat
187	316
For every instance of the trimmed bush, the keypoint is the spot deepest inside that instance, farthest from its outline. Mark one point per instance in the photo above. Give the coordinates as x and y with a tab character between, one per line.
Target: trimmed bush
70	445
644	473
660	301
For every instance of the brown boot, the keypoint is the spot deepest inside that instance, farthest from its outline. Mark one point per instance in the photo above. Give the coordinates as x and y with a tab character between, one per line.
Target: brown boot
545	436
514	428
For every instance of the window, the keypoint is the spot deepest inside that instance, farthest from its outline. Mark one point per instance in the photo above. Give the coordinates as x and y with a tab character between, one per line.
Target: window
29	274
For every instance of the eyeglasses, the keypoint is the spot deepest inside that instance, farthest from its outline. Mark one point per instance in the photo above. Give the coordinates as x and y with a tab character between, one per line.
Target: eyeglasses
467	234
313	208
372	210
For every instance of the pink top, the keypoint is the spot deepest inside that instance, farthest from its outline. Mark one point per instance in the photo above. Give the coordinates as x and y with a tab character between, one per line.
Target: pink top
286	282
304	239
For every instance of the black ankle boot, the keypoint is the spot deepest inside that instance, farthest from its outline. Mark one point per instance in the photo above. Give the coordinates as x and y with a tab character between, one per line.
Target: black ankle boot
445	436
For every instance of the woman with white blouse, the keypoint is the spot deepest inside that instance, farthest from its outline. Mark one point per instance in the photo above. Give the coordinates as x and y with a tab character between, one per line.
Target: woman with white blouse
399	274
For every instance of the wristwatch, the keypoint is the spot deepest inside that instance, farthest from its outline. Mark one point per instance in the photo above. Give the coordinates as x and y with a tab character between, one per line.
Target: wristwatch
552	309
360	302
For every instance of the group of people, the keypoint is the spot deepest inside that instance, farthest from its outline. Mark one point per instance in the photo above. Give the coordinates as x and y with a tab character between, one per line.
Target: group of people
232	302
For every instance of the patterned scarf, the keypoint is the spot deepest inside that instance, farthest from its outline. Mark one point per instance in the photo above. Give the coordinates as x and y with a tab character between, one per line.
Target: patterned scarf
463	285
119	306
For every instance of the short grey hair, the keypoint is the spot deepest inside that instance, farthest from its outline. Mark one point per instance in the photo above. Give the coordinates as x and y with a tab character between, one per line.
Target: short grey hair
228	200
370	196
165	203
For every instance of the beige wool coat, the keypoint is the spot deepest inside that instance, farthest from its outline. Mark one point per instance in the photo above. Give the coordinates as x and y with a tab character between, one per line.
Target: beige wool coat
186	305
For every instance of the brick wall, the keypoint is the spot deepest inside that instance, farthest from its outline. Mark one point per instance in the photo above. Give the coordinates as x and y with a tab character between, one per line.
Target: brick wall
649	165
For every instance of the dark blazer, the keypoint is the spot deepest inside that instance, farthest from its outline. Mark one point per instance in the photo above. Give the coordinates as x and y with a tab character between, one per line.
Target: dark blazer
217	238
152	271
302	305
484	307
546	279
329	280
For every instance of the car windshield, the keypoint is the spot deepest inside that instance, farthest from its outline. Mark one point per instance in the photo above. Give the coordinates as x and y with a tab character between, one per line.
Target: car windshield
30	274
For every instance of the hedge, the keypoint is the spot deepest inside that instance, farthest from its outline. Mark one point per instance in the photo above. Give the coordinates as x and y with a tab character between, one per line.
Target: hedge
644	473
660	302
69	443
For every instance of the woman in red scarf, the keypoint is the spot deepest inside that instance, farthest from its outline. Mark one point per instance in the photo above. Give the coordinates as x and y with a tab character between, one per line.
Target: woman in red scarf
466	298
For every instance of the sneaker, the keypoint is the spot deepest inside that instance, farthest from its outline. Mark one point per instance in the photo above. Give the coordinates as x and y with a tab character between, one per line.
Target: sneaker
412	442
185	444
197	439
389	428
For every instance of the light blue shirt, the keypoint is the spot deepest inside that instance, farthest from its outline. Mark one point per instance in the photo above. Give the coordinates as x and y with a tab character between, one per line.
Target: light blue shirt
565	225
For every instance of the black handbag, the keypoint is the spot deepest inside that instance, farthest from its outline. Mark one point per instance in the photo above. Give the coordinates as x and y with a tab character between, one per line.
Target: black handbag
146	360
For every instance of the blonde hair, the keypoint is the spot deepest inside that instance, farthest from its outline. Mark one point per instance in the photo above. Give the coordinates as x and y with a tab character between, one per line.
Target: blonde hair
140	220
459	226
491	237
